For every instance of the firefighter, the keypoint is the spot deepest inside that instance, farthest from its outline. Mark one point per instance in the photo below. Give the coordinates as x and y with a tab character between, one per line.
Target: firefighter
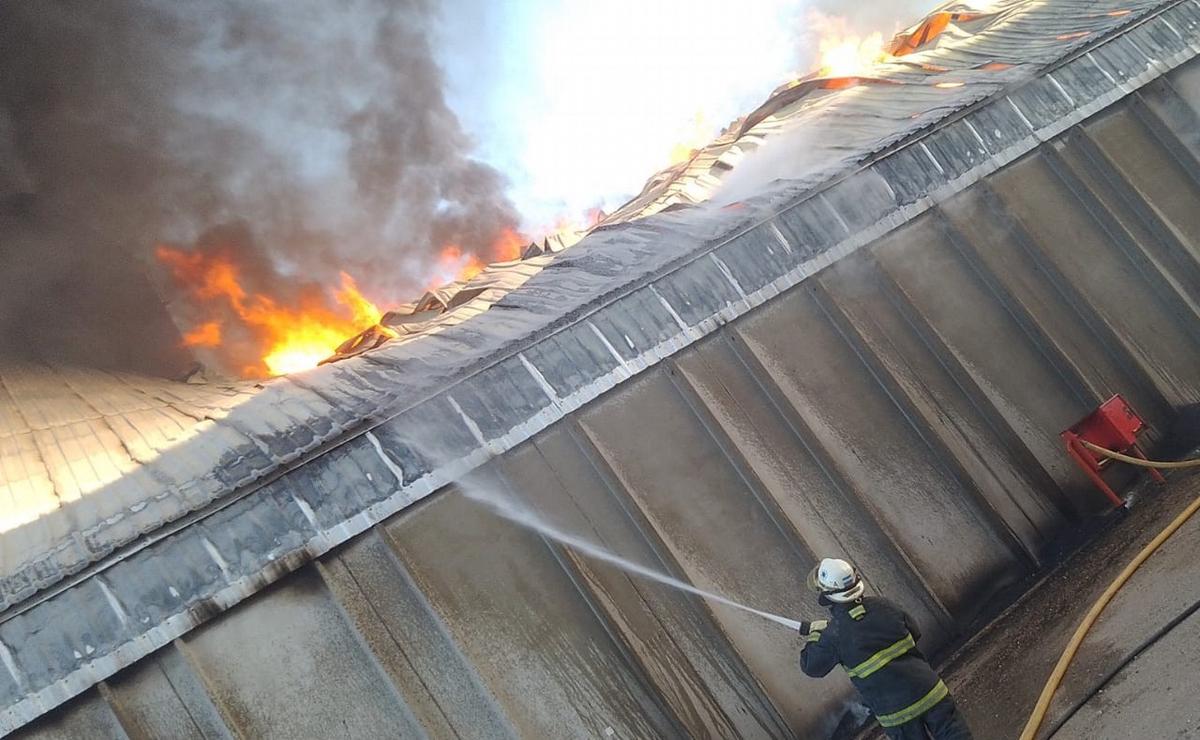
876	642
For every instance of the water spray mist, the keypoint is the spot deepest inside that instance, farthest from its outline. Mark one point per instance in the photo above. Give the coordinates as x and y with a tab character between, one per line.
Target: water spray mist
514	512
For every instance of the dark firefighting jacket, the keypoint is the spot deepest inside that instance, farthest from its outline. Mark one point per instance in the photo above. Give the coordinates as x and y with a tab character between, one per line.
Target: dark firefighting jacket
876	642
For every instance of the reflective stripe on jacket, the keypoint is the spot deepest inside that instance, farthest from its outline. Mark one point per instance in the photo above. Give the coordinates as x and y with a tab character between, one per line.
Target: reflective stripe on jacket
876	642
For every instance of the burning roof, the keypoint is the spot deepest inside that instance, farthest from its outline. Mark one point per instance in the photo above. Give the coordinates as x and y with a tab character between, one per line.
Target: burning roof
808	131
94	462
255	333
966	48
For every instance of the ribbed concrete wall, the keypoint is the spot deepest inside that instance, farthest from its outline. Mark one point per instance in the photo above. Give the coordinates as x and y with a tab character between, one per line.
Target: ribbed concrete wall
901	408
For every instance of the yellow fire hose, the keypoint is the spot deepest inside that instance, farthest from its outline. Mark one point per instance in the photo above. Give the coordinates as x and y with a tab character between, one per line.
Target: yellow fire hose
1139	461
1060	669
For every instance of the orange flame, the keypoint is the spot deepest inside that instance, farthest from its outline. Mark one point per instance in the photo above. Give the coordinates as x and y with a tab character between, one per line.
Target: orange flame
207	334
454	264
509	246
850	56
695	136
287	338
307	336
841	50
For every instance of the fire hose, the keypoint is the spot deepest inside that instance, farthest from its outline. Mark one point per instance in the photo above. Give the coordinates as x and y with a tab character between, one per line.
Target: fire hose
1138	461
1064	661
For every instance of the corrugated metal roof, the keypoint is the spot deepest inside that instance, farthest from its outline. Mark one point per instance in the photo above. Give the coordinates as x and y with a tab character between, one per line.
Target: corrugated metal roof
816	127
94	461
826	124
68	433
838	122
834	124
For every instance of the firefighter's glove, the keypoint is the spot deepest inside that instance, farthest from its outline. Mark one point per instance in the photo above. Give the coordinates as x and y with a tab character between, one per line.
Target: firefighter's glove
811	631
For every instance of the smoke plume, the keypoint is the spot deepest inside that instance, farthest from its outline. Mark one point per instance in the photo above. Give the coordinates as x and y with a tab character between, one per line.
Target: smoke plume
312	137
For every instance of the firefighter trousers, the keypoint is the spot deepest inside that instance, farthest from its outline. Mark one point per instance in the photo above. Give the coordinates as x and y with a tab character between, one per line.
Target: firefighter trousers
941	722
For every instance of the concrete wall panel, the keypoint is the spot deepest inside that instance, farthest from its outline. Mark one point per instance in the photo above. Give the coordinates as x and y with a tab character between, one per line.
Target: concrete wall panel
517	616
940	376
717	530
983	338
410	642
1175	101
162	697
1086	256
1156	246
1070	337
673	635
87	717
290	666
818	503
873	445
1186	82
1159	180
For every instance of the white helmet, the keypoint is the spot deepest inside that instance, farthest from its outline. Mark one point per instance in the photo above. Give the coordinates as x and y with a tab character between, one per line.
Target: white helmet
837	580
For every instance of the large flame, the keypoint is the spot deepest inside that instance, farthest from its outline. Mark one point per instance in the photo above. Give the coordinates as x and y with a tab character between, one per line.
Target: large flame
207	334
455	264
301	331
843	50
508	246
849	55
305	337
287	338
286	335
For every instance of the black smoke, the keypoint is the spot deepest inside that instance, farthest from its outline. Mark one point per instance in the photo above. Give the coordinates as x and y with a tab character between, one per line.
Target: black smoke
316	129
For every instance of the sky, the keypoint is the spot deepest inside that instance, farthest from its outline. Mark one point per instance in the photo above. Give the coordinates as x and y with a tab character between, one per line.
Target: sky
579	102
